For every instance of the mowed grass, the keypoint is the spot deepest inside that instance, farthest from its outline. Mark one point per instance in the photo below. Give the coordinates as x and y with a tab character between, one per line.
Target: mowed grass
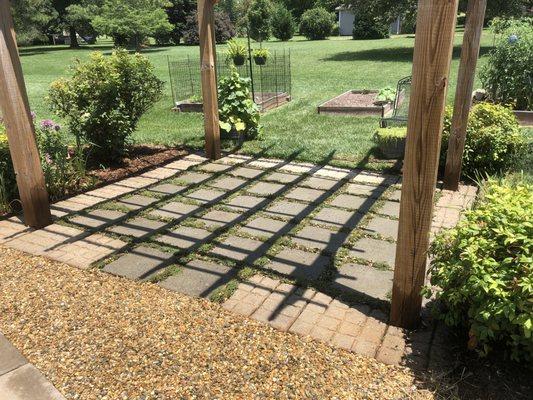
320	71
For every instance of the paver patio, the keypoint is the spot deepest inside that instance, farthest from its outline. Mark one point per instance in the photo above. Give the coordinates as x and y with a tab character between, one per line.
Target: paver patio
310	249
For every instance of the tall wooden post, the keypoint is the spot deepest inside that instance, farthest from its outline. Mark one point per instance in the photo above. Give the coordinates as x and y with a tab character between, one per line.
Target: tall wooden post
435	30
475	16
206	24
19	126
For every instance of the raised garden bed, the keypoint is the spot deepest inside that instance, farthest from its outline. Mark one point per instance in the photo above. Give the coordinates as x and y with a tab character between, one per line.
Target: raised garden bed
266	101
355	102
525	118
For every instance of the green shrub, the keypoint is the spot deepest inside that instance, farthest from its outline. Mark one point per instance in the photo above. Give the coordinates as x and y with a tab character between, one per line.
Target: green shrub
8	182
494	140
507	75
283	25
367	26
316	24
259	17
105	98
238	113
391	141
483	269
386	94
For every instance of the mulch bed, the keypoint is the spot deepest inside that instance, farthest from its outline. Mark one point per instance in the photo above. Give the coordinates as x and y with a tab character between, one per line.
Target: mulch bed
352	99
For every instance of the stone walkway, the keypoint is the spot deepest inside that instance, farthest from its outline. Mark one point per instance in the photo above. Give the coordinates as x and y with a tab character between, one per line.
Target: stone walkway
308	249
20	380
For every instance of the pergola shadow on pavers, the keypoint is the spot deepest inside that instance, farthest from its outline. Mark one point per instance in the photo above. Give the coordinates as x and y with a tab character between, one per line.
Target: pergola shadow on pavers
306	248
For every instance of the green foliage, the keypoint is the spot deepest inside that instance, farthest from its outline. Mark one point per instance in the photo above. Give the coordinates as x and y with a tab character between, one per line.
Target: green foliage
8	182
368	26
259	16
224	28
177	13
237	51
483	269
298	7
316	24
130	22
494	141
386	94
238	113
391	134
283	25
508	74
32	19
105	98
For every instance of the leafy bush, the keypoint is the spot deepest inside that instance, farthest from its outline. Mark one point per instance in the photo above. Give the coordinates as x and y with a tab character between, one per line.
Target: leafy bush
367	26
105	98
494	140
283	25
316	24
483	269
259	16
238	113
507	75
8	182
386	94
224	28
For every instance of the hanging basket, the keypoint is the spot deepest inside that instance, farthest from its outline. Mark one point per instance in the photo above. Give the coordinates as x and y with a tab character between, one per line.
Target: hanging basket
260	60
239	60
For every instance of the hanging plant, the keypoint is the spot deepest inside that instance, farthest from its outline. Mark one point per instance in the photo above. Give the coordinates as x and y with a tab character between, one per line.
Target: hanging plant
261	56
236	52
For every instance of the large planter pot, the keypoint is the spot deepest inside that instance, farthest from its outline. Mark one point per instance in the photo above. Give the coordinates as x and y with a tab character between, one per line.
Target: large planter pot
259	60
239	60
525	118
392	149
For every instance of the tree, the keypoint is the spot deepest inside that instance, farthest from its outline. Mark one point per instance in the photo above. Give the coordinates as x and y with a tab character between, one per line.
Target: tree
316	24
130	22
283	25
224	29
259	17
32	19
298	7
177	12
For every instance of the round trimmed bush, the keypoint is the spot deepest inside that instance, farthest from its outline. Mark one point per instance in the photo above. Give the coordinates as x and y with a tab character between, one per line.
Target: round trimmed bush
483	269
283	25
316	24
507	76
366	26
494	140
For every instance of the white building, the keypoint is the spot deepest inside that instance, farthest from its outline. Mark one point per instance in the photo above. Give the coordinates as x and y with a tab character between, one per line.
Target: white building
347	19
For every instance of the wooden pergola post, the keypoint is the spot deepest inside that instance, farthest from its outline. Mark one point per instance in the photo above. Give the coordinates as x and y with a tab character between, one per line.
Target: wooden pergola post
475	15
19	126
435	31
206	24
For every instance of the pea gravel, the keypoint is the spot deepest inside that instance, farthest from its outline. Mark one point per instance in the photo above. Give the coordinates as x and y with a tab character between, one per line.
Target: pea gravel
96	336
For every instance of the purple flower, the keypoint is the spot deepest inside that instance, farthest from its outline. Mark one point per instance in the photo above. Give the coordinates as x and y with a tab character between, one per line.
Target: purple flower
48	124
33	115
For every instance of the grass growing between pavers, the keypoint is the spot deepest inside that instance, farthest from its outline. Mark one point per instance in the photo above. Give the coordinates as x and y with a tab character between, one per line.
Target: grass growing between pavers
320	71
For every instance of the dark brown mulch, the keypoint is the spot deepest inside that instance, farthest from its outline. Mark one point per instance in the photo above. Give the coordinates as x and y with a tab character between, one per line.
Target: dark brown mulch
138	160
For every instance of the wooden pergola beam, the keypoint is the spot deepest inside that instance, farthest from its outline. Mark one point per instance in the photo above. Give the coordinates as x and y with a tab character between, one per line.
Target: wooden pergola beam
435	31
475	16
19	127
206	26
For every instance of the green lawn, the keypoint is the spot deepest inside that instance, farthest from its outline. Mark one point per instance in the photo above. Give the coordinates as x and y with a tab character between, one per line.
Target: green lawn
320	70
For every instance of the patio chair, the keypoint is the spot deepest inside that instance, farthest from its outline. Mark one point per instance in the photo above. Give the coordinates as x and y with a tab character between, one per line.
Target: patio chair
401	105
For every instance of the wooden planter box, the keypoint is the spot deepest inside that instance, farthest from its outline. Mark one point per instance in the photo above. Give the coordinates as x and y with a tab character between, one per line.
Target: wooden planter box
525	118
185	106
341	104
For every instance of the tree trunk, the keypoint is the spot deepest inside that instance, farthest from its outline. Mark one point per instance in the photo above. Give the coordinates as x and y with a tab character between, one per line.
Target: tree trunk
73	38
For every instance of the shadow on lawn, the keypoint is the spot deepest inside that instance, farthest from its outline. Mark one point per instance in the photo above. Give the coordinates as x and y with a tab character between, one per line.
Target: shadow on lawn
390	54
106	49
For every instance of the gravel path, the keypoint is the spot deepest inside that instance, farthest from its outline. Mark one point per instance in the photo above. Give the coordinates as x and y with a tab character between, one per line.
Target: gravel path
96	336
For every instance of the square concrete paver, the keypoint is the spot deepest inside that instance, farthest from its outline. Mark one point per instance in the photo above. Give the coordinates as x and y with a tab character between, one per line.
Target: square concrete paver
377	251
243	172
214	167
137	202
175	210
281	177
227	183
191	177
265	227
10	357
390	208
289	209
383	226
238	249
138	227
184	237
140	263
244	203
299	264
218	218
97	218
199	278
338	219
361	204
319	238
320	183
355	279
27	383
305	194
205	195
360	189
167	189
265	188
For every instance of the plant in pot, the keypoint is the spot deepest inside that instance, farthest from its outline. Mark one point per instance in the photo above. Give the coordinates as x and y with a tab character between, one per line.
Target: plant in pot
391	141
236	52
385	96
260	56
